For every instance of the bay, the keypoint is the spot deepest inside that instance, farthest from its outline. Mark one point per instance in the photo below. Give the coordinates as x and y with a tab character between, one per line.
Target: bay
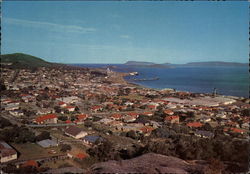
228	80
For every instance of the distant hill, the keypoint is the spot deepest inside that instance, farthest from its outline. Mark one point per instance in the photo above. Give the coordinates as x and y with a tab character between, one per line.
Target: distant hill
215	63
147	64
191	64
20	60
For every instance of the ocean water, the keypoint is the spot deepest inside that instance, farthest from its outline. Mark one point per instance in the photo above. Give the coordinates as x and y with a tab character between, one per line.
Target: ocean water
233	81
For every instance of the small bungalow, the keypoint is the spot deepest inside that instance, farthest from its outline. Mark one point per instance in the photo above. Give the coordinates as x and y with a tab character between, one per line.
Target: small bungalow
16	113
204	134
47	119
194	124
91	139
70	108
96	108
172	119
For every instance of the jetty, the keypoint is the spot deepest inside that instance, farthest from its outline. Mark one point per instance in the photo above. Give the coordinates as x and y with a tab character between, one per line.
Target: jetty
147	79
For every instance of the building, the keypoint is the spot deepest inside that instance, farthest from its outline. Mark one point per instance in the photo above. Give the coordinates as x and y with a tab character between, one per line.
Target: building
116	116
194	124
96	108
172	119
7	153
204	134
168	112
75	132
16	113
47	119
91	139
47	143
70	108
30	163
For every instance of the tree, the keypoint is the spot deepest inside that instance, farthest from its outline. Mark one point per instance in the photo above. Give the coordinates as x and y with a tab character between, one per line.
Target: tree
43	136
207	127
63	118
131	134
215	167
65	147
2	87
58	109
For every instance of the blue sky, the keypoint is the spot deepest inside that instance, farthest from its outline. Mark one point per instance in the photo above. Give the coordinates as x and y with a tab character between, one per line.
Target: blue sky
119	31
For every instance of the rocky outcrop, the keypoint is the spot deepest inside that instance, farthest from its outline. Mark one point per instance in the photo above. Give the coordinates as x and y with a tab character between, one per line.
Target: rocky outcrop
149	163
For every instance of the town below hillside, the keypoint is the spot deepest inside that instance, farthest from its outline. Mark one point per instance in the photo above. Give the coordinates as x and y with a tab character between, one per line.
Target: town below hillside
71	119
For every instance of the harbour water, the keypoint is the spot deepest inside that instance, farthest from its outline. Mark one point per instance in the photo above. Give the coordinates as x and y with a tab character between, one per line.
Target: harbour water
233	81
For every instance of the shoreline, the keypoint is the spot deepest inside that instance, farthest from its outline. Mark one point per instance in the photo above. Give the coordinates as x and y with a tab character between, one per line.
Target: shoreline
171	89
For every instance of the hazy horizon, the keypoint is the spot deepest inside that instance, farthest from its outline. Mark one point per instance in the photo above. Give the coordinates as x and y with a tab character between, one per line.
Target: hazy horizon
116	32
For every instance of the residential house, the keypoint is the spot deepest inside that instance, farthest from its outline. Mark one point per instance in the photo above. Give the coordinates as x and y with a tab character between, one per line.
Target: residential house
16	113
147	113
172	119
81	156
235	130
205	119
47	119
168	112
96	108
62	104
44	111
152	107
75	132
7	153
30	163
116	116
129	118
146	130
27	98
70	99
204	134
82	117
194	124
70	108
91	139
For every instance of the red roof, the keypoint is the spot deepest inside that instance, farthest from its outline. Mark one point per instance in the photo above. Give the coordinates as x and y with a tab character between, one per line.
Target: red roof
116	115
81	155
82	116
96	107
169	112
172	117
147	113
195	124
30	163
68	121
24	95
61	103
69	107
45	117
146	129
133	114
236	130
152	106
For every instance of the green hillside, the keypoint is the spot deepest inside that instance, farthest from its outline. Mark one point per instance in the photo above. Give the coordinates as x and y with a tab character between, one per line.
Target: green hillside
20	60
